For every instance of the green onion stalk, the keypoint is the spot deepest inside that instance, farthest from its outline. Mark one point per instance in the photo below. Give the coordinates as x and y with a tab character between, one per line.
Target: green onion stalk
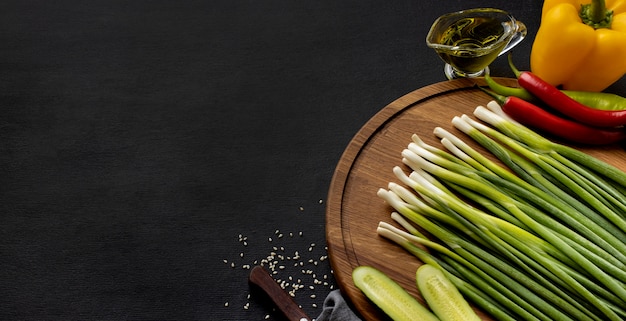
516	239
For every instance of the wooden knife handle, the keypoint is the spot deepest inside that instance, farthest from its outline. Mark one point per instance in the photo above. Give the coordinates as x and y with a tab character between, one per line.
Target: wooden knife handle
285	303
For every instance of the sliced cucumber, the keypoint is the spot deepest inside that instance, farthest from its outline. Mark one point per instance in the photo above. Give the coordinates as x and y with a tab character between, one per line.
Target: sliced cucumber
389	296
442	296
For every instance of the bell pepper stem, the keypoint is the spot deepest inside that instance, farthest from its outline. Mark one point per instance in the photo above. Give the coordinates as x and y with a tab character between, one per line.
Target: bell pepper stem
597	10
596	14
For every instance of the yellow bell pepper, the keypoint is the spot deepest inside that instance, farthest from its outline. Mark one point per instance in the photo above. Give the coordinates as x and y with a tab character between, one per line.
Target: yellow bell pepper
570	53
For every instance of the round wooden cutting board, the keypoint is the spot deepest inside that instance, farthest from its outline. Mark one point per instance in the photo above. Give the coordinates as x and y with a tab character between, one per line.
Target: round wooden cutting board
353	208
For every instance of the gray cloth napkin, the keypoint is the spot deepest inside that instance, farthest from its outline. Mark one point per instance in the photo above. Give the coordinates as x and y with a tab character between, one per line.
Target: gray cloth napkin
336	309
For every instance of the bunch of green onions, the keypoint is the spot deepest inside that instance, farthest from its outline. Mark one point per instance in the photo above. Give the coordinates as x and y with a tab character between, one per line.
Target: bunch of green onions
541	237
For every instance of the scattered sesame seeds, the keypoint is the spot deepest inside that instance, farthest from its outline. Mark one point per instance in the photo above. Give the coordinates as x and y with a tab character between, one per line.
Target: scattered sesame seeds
279	263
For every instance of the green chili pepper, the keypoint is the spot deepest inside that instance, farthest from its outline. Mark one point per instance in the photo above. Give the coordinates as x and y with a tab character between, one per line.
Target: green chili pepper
508	91
595	100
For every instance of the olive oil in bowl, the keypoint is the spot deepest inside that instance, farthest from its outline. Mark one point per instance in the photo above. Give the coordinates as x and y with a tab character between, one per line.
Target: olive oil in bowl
468	41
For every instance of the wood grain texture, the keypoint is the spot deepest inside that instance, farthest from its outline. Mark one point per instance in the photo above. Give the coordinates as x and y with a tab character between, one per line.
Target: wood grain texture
283	301
354	210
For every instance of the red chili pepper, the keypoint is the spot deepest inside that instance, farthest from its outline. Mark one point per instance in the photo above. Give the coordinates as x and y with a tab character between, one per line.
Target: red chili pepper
531	115
554	98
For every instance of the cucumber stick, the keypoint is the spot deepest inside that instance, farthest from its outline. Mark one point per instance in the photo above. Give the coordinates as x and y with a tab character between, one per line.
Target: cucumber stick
389	296
442	296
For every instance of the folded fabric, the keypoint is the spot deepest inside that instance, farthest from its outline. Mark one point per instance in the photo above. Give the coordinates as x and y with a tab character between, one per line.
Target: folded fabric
336	309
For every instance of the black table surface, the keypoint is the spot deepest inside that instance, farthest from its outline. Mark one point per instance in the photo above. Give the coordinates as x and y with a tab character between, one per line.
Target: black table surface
153	151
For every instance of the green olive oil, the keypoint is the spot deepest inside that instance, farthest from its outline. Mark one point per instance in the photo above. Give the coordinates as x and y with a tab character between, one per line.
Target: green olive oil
468	34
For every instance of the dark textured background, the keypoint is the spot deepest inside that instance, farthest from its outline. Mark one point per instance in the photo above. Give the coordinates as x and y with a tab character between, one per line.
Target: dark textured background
139	139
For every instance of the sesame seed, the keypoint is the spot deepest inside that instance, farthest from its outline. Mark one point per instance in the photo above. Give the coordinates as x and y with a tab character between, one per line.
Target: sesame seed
226	304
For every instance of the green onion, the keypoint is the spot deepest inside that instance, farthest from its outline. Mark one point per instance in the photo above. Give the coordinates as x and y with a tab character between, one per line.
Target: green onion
540	235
